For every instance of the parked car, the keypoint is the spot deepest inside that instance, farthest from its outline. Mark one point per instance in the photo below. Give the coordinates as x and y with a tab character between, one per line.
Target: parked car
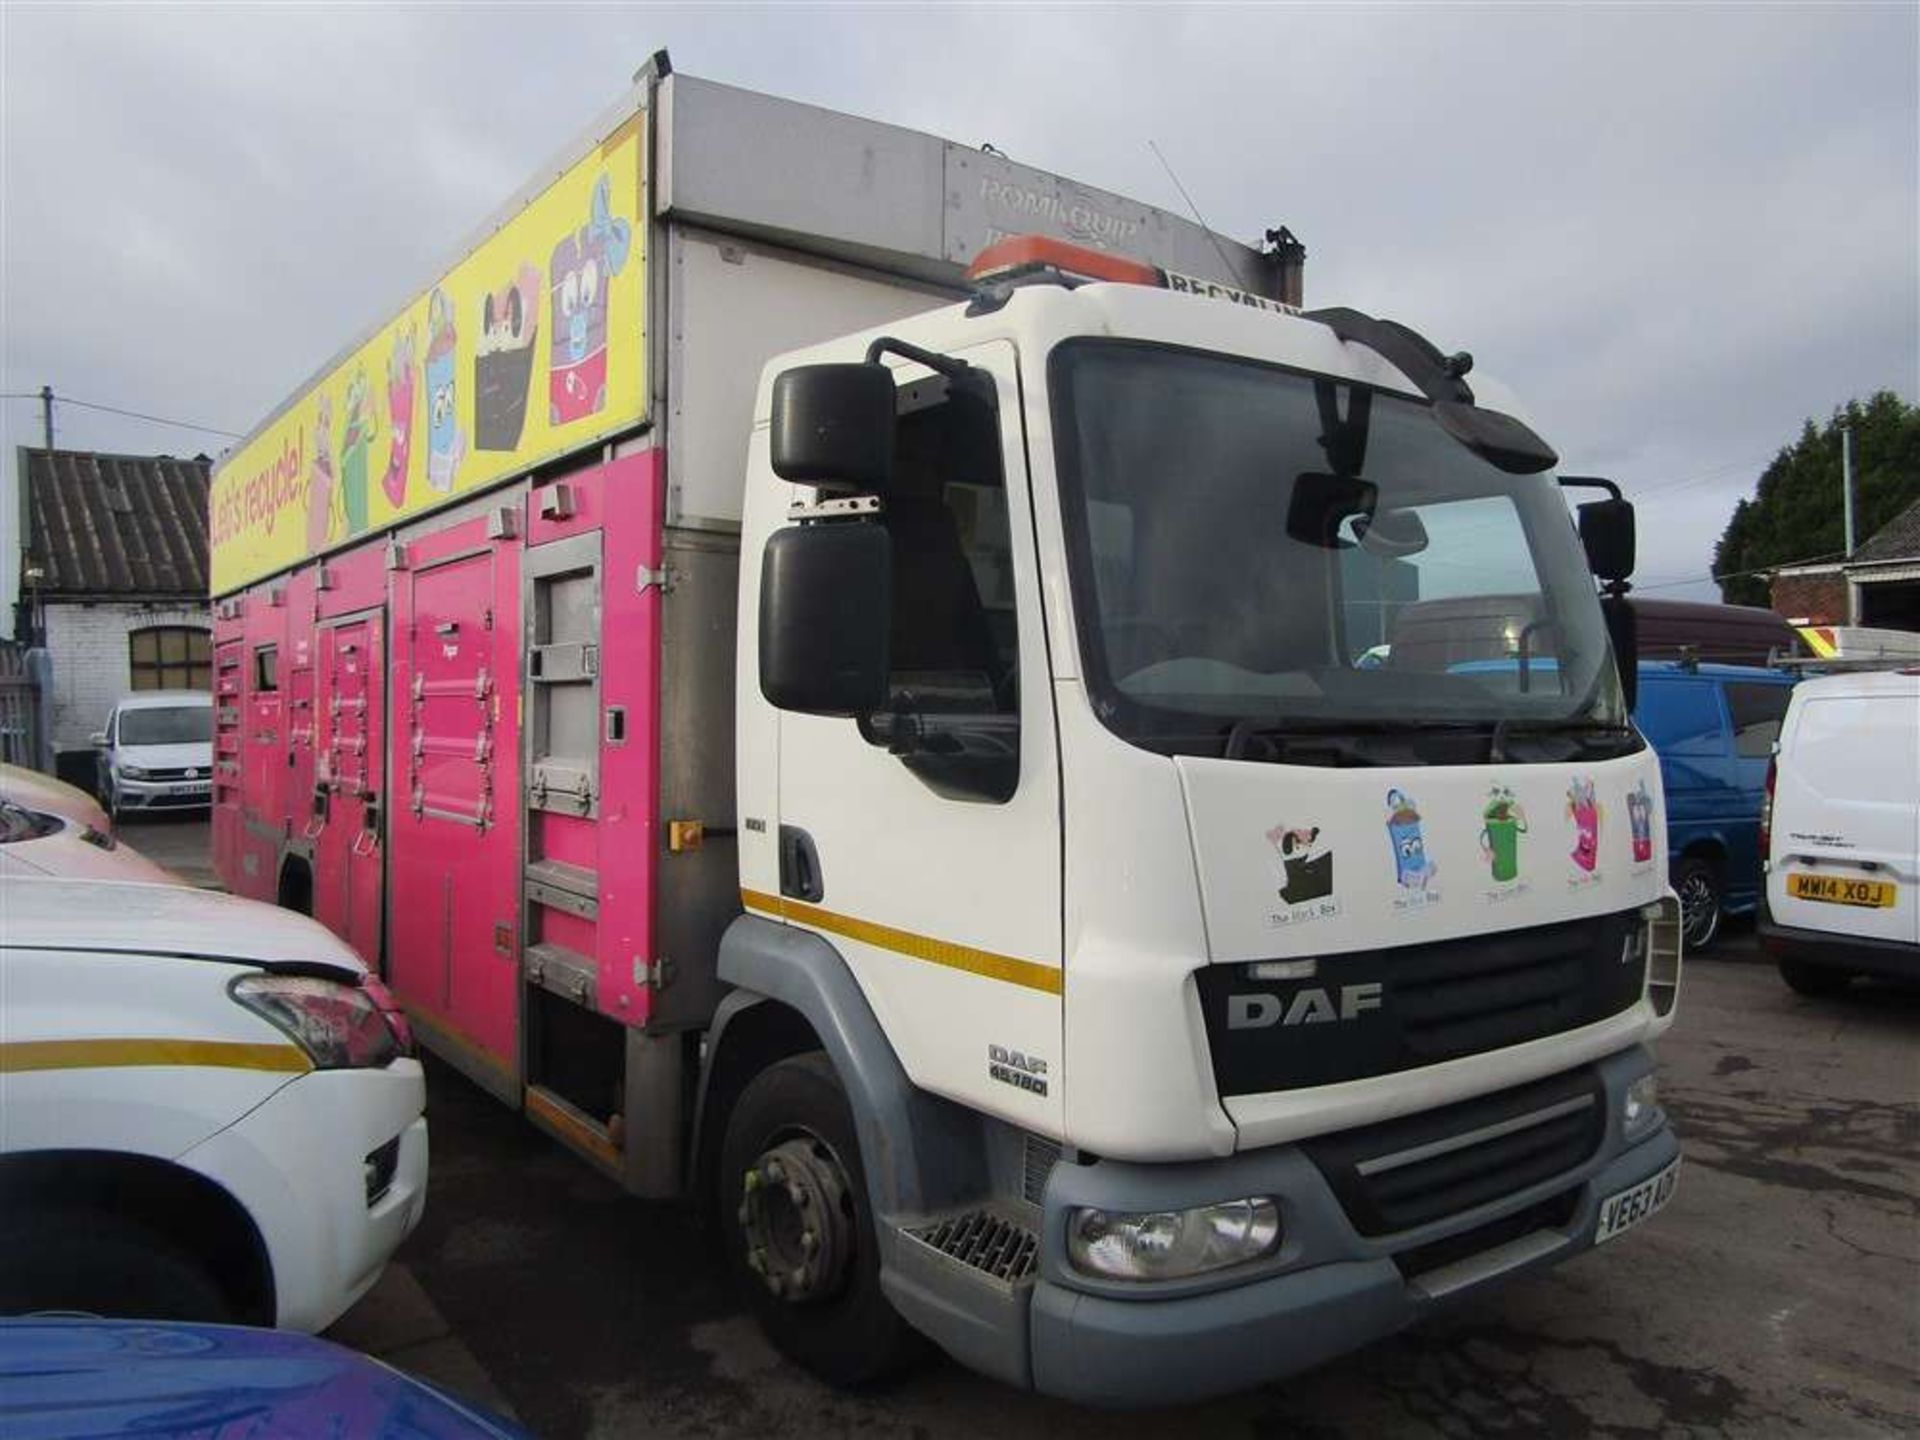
37	842
105	1378
157	752
35	790
1713	727
212	1109
1843	841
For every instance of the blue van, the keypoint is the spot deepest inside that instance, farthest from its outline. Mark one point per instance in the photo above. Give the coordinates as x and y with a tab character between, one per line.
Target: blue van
1713	727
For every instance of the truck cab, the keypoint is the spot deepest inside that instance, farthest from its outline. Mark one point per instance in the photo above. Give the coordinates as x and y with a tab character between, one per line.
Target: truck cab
1250	993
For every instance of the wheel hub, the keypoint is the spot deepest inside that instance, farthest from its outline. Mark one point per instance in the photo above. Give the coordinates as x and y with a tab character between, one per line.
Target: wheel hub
796	1220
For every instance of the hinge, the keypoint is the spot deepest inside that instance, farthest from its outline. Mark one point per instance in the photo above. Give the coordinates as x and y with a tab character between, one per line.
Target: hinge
654	974
648	578
486	618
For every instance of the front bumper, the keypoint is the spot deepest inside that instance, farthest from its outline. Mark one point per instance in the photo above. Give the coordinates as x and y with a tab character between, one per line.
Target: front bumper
298	1165
162	794
1855	954
1328	1290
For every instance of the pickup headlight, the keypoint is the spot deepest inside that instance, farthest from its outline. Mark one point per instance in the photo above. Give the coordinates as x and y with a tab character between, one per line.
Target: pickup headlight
132	772
1172	1244
340	1027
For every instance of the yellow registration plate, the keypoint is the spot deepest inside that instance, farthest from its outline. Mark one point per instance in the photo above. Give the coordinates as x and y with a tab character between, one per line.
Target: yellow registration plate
1839	890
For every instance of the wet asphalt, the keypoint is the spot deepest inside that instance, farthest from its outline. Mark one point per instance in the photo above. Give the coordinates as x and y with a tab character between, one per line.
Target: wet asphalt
1778	1294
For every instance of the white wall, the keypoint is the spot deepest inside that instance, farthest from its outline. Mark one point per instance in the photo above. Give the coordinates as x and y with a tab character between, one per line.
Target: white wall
91	664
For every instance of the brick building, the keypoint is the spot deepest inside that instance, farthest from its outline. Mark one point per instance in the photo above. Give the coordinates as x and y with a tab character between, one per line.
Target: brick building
1878	587
113	583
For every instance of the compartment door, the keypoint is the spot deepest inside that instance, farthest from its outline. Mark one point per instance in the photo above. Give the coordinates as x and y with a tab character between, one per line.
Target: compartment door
450	927
348	853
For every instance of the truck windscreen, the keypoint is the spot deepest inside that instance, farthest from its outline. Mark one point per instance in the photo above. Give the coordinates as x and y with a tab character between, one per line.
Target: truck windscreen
1255	547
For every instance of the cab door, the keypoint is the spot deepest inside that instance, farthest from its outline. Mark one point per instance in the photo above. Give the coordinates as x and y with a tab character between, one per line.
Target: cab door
937	874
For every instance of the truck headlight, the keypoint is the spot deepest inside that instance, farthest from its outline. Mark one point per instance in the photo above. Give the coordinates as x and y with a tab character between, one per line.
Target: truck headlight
339	1026
1171	1244
1640	1109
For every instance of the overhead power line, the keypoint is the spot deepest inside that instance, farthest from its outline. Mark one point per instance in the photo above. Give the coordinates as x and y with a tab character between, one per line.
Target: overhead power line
129	414
1742	574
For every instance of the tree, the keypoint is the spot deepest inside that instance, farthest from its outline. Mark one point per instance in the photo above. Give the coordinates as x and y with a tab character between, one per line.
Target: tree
1795	513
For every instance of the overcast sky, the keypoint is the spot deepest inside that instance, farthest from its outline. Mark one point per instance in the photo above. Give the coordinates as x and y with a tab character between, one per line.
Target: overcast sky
1677	232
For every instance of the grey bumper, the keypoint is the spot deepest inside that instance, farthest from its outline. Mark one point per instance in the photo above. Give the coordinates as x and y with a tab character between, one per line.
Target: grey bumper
1327	1291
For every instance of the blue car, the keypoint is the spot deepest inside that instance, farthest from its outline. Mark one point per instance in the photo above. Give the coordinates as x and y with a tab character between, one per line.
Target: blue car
66	1379
1713	727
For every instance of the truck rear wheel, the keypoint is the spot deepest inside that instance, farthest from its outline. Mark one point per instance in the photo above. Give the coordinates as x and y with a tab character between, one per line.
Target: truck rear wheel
799	1230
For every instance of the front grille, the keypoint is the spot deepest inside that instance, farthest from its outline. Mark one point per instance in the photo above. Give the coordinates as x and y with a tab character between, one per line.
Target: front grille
985	1241
196	772
1375	1012
1552	1213
1037	1162
1413	1171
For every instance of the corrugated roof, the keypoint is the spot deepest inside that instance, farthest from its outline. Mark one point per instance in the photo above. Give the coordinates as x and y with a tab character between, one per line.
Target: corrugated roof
116	524
1898	539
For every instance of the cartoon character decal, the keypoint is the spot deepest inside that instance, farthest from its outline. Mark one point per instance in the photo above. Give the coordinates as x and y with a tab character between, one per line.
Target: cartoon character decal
446	445
1585	810
1640	822
400	388
1503	822
503	361
1306	864
1411	866
355	441
323	497
580	274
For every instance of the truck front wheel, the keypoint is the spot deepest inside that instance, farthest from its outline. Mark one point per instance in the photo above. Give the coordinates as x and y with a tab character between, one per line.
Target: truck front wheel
799	1230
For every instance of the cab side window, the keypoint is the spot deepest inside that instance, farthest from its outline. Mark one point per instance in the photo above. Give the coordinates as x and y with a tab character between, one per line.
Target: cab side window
954	643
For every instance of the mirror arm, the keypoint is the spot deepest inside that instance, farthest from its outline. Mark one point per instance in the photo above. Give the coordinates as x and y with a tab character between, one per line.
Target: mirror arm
958	371
1590	482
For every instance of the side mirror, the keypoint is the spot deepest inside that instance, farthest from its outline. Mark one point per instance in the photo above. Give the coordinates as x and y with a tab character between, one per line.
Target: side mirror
833	425
98	739
826	608
1606	530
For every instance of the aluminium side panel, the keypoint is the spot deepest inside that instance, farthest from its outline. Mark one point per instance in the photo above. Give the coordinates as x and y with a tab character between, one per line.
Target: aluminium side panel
732	305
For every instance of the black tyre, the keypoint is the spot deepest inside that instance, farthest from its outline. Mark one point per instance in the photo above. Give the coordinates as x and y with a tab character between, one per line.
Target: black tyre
1815	980
799	1231
92	1263
1697	882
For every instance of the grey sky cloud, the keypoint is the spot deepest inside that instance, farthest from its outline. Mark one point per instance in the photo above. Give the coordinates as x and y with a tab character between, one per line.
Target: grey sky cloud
1675	231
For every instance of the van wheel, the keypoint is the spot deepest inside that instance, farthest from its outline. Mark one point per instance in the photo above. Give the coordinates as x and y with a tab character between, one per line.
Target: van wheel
1815	980
1697	882
92	1263
798	1228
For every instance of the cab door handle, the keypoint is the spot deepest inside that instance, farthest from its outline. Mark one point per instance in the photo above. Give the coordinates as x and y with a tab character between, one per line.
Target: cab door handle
800	866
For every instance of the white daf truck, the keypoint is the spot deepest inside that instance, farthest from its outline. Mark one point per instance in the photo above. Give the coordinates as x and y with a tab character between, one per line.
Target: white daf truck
949	796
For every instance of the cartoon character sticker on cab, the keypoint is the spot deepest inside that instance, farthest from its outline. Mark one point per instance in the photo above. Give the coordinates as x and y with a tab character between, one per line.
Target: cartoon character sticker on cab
503	360
1412	867
1503	822
400	389
1306	865
1640	822
1583	808
580	275
446	445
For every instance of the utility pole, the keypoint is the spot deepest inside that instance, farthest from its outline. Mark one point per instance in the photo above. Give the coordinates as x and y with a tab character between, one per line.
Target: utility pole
1846	499
46	425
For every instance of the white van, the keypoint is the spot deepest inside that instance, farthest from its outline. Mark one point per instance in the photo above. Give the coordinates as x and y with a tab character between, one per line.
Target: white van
1841	832
211	1109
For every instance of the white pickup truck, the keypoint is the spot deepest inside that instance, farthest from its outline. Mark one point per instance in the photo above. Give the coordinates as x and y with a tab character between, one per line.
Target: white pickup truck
211	1109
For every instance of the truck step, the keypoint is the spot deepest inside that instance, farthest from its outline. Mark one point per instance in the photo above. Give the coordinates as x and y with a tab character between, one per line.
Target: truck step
985	1241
